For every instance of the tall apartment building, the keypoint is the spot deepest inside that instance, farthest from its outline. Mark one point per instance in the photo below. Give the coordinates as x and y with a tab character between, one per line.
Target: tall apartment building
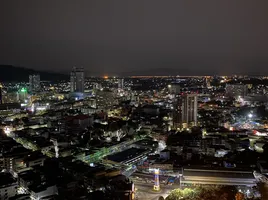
185	111
77	79
121	83
34	83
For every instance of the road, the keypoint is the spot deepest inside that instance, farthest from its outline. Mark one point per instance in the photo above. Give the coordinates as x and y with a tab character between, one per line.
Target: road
145	191
144	184
150	178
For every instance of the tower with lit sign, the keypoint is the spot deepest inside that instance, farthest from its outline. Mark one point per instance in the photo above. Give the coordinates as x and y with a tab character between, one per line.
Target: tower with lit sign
156	180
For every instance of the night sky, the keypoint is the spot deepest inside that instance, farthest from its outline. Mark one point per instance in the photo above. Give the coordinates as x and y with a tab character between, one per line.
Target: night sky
136	36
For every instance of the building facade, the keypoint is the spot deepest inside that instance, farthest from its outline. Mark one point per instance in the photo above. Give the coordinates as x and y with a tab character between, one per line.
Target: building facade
77	80
185	111
34	83
174	88
235	90
8	186
121	83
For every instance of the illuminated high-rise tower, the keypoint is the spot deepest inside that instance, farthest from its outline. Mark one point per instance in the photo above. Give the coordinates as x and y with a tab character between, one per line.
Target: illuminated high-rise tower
185	111
78	80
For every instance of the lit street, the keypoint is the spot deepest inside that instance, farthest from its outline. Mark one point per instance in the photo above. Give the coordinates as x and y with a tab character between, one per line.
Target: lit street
144	185
145	191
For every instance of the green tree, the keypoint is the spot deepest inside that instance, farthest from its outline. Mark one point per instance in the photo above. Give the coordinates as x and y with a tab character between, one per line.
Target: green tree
175	195
161	198
179	194
204	193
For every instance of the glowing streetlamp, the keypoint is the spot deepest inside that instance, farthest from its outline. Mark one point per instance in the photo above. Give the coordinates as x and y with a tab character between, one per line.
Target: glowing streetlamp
250	115
156	180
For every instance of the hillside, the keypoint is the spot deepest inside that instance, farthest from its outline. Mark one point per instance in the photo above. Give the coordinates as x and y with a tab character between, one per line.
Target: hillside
10	73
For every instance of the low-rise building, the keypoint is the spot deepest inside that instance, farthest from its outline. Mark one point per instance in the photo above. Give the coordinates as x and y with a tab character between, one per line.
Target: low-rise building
217	176
8	186
42	191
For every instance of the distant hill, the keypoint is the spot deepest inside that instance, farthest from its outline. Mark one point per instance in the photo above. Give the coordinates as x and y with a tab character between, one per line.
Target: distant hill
10	73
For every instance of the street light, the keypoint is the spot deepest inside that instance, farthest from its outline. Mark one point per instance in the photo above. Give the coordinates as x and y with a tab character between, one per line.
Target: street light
250	115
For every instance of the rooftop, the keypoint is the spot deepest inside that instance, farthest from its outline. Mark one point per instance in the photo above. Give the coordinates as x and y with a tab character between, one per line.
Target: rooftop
34	156
218	172
6	179
126	155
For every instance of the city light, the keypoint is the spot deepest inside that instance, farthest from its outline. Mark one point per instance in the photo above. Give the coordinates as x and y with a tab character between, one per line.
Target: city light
7	130
23	90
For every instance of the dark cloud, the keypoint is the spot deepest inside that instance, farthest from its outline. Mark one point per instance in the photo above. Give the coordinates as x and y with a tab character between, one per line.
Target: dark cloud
185	36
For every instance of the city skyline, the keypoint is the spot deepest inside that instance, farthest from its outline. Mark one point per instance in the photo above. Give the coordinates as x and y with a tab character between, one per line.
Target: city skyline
136	138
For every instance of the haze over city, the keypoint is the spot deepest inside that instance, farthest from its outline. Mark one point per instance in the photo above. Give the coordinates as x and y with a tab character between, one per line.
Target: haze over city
135	37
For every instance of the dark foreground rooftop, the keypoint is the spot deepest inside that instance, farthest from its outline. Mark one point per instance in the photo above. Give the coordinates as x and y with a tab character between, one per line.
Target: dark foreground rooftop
126	155
6	179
